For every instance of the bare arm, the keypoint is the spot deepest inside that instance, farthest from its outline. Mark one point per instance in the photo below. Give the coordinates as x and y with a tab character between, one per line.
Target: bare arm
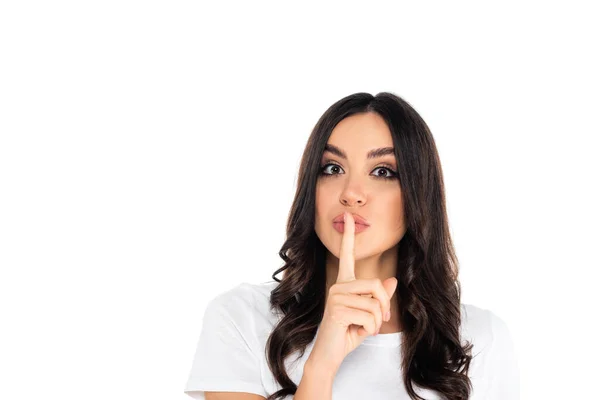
316	383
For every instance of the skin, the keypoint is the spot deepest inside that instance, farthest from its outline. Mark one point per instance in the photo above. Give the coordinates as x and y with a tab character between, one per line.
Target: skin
356	185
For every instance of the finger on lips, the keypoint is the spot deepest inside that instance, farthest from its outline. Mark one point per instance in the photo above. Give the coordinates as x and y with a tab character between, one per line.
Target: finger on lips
346	271
346	267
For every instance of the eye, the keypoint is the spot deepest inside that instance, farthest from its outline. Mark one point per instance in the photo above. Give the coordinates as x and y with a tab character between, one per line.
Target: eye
326	166
389	173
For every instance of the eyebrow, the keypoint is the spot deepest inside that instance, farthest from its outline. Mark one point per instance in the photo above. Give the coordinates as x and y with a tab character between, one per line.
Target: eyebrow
375	153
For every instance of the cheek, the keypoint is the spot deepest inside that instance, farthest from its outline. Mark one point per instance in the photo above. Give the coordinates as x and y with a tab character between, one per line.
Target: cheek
323	206
322	199
396	216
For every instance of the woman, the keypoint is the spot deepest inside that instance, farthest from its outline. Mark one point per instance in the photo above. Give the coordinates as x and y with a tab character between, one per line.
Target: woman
369	303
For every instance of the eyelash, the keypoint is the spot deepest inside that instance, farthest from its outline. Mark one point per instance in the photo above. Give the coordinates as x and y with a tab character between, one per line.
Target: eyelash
394	174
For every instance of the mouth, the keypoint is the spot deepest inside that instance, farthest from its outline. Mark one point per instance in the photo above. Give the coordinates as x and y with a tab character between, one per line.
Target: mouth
358	220
339	226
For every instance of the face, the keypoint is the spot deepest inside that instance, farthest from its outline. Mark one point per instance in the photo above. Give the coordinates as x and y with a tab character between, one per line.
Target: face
367	186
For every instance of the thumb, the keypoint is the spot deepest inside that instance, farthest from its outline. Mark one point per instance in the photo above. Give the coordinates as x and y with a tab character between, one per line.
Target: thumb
390	286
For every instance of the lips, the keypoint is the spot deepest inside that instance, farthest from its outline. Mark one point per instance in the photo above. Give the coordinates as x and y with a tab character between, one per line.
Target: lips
358	228
358	220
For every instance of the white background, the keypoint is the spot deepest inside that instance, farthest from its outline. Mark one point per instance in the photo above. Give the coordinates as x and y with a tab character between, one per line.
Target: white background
149	154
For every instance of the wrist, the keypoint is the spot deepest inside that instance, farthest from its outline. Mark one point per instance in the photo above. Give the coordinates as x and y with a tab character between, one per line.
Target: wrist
320	370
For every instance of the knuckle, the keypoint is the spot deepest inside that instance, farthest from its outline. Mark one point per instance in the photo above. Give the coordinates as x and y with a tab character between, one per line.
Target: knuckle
378	315
333	289
375	311
378	285
375	307
333	299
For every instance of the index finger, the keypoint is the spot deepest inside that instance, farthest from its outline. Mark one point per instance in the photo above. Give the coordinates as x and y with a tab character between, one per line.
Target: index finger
346	264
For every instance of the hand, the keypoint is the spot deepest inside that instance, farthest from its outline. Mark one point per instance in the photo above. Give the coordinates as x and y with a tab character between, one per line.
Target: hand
355	308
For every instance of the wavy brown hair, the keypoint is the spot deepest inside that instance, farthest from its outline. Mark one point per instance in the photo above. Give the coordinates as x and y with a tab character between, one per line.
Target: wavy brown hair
428	290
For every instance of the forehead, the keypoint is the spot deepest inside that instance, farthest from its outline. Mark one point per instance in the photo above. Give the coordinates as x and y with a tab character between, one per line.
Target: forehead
364	130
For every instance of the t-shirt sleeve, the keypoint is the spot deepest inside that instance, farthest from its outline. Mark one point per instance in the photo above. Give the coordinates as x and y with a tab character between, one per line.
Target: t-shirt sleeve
226	358
503	368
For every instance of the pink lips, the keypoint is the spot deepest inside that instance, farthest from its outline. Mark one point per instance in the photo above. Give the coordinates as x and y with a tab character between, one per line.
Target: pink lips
358	228
360	224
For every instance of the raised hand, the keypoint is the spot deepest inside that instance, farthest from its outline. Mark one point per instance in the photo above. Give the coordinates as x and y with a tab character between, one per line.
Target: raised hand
355	308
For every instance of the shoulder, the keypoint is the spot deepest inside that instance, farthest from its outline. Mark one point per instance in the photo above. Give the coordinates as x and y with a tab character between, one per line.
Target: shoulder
482	324
245	307
244	297
489	333
230	353
495	368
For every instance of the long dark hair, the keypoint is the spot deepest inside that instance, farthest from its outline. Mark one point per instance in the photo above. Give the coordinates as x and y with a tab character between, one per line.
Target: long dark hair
428	290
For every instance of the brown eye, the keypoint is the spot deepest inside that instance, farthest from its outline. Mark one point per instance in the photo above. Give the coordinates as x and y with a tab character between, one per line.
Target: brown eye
386	170
334	168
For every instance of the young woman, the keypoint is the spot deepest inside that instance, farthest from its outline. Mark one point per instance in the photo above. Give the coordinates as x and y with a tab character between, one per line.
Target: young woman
369	303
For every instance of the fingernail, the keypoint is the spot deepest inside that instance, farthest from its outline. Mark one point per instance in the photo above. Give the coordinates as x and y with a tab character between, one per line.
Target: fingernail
377	333
387	316
344	216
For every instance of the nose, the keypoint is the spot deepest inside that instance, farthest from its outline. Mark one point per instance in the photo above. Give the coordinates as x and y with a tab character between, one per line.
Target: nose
352	196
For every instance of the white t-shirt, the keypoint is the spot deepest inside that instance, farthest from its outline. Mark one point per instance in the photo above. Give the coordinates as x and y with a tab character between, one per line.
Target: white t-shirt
230	356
